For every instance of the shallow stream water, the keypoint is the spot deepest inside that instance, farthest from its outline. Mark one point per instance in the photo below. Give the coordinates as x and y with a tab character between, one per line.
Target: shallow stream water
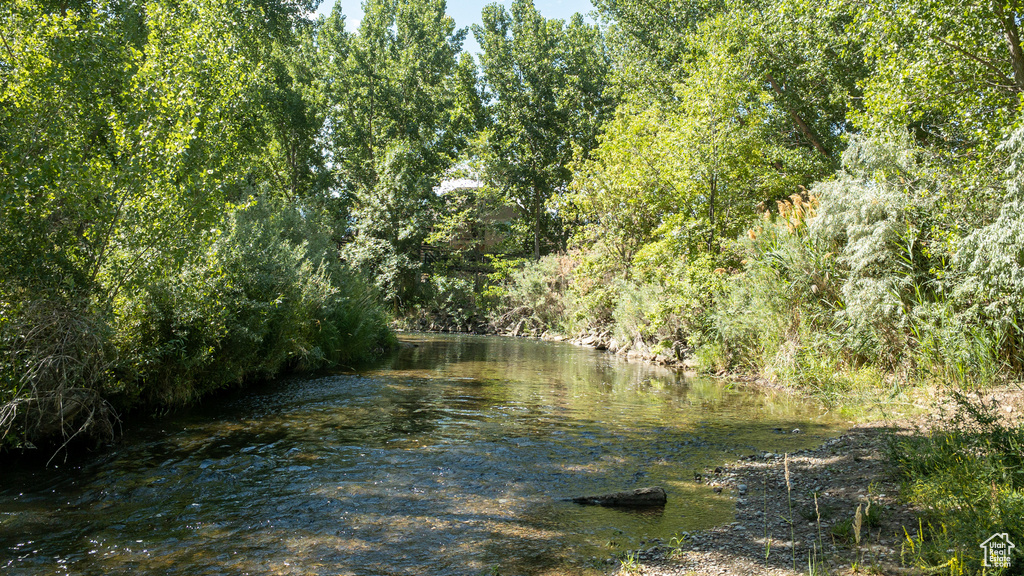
453	457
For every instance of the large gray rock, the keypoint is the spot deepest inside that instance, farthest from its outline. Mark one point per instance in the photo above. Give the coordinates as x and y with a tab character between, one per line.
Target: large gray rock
650	496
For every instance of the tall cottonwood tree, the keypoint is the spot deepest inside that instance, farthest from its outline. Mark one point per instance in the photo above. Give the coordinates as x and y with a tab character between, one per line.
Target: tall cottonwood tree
968	64
293	110
802	53
401	106
546	83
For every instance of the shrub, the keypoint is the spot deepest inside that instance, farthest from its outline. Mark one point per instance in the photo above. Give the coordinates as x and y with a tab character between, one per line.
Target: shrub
673	305
859	274
536	292
989	270
268	293
592	292
875	217
449	299
54	357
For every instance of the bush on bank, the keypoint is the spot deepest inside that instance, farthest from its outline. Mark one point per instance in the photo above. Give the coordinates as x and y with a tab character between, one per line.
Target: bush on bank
266	292
861	272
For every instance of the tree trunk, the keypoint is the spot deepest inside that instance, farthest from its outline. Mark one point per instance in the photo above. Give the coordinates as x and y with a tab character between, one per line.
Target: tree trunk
651	496
1012	35
712	193
800	124
536	229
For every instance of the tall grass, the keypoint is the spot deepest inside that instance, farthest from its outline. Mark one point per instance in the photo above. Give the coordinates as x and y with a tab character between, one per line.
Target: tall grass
56	355
968	478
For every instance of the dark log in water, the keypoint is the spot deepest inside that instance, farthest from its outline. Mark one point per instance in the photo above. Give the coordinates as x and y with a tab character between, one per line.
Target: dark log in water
650	496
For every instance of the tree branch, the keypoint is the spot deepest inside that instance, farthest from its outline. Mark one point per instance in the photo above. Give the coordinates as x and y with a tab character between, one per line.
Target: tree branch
992	67
10	53
1009	25
804	128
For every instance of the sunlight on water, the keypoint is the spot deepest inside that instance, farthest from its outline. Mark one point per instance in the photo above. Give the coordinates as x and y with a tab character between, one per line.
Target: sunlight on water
454	457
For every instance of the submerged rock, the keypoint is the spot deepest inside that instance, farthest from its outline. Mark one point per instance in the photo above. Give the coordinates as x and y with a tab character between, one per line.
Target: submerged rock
650	496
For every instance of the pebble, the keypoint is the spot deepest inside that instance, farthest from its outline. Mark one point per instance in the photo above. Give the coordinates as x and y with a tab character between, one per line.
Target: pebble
742	489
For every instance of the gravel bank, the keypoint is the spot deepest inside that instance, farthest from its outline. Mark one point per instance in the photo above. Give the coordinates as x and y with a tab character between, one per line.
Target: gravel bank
845	472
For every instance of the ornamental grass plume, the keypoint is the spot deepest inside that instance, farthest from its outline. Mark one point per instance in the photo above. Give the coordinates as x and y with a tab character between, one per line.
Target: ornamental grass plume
858	520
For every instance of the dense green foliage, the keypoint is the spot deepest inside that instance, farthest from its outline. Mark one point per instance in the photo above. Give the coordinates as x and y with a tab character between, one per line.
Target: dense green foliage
164	223
547	85
266	292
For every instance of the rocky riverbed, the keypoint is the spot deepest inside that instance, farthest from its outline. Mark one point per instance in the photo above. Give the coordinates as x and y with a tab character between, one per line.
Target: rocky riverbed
795	514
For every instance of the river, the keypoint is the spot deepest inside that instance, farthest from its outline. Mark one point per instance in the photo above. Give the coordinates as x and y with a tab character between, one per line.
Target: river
452	457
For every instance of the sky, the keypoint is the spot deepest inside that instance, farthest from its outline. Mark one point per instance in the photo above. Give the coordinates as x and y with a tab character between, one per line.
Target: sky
467	12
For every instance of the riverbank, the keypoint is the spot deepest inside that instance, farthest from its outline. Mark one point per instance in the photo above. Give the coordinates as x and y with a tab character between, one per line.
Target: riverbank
675	356
933	469
825	487
823	491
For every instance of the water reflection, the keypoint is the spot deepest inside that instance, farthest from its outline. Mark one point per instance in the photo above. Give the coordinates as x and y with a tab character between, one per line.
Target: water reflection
451	458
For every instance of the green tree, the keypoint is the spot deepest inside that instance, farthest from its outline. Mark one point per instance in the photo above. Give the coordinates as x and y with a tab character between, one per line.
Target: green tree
812	63
546	81
294	112
968	69
650	41
961	100
401	108
691	170
126	130
723	162
802	53
624	192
